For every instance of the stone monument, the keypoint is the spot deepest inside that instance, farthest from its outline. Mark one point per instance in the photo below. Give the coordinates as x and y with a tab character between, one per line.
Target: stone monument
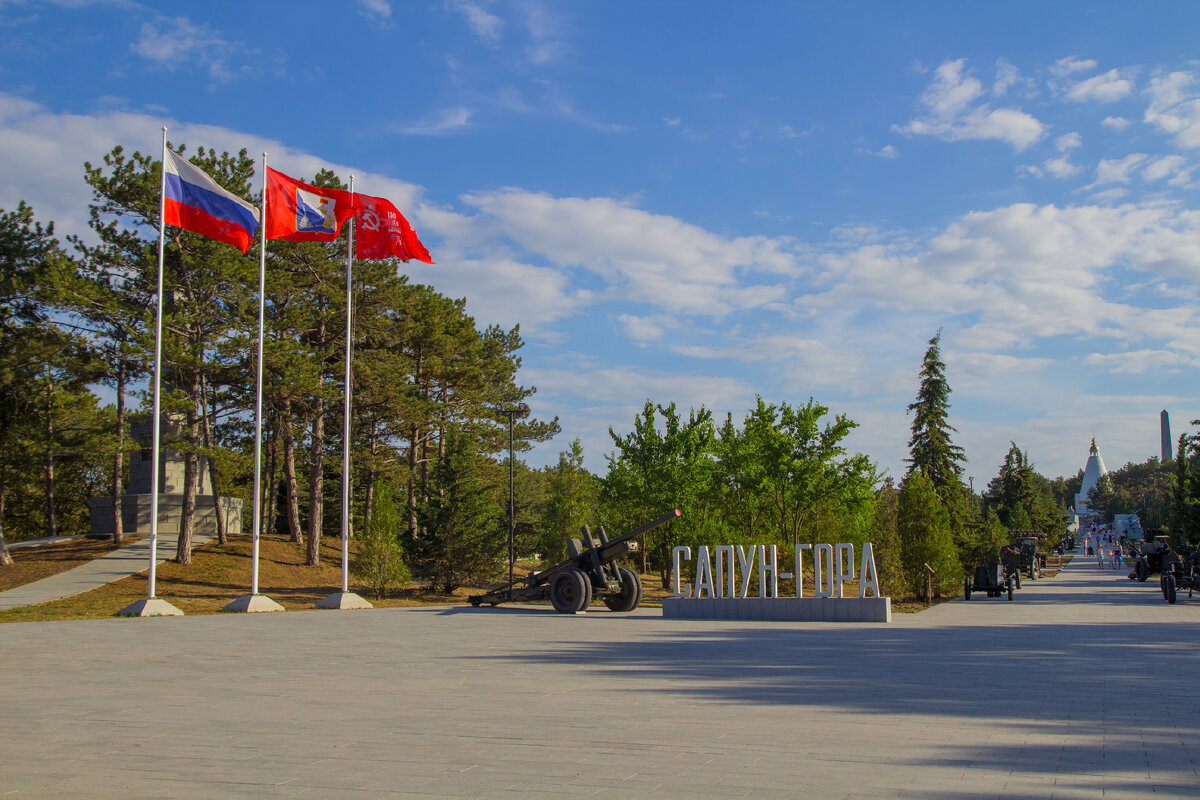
1168	449
135	504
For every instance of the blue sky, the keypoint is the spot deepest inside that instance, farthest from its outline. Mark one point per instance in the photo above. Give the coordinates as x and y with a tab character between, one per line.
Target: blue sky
701	202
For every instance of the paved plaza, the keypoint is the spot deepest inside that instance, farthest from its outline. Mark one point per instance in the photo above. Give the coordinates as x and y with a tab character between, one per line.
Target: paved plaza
1086	686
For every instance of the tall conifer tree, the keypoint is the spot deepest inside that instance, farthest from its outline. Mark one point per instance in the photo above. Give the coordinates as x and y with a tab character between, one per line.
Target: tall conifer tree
930	449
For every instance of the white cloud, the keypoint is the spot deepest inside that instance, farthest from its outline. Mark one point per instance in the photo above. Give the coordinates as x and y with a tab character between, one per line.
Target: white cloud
547	33
1068	141
1106	88
486	26
1175	106
630	386
1023	273
642	256
445	121
376	9
1163	167
1006	76
1072	64
1139	362
887	151
1116	123
954	115
1118	170
179	41
1061	167
640	329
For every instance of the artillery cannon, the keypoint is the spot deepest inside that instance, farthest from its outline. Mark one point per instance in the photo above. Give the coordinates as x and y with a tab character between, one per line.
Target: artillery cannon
1150	558
989	578
1179	573
589	572
1022	557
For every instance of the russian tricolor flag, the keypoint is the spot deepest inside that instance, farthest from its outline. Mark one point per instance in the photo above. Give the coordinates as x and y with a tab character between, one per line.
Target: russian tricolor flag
193	201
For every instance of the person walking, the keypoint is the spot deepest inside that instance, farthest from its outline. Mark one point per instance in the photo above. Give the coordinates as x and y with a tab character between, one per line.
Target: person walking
1116	557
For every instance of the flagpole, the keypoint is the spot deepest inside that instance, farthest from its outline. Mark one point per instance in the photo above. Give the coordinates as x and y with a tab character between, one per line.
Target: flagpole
153	606
254	601
346	598
346	405
262	292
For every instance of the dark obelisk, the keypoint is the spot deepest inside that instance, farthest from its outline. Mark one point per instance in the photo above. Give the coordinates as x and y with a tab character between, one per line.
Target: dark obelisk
1167	450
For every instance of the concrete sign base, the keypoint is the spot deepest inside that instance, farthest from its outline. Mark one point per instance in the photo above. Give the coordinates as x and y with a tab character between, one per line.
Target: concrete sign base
343	600
781	609
253	603
150	607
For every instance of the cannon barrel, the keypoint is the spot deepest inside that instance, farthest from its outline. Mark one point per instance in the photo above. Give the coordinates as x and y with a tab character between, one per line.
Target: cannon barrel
594	558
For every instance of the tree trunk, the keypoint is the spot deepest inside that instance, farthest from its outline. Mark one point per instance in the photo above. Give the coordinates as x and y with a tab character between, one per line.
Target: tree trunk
51	524
5	559
191	475
289	474
411	501
272	481
119	454
222	533
370	487
316	485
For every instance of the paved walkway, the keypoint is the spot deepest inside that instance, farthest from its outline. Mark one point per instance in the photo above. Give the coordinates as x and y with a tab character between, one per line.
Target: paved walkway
120	563
1085	686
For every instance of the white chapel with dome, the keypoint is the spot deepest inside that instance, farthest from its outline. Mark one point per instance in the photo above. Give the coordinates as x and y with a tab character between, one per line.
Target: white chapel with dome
1092	473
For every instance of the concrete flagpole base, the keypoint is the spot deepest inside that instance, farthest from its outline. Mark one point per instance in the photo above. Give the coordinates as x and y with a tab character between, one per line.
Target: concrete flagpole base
253	603
150	607
344	600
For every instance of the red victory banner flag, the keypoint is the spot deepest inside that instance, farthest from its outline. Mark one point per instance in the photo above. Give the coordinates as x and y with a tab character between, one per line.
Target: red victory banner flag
383	232
301	212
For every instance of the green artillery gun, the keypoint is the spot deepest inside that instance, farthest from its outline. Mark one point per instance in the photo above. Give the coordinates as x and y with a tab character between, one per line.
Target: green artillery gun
590	571
1150	558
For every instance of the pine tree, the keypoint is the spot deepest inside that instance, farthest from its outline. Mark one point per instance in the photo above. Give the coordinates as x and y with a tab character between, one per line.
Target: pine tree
571	497
930	449
380	557
27	340
461	540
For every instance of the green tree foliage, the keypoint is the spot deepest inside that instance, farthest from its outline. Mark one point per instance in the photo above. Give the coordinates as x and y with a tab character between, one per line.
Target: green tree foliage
652	471
570	501
885	537
1185	509
923	526
379	561
782	475
931	450
1022	498
461	539
28	341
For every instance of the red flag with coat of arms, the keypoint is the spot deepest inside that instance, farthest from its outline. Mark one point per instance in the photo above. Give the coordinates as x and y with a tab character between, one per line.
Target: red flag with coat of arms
301	212
383	232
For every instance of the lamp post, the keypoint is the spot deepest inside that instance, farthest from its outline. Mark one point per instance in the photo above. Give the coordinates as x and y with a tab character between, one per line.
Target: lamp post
521	410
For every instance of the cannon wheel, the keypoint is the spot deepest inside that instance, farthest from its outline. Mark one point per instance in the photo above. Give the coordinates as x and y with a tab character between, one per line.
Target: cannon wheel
1141	571
569	593
631	592
1169	588
1010	588
966	589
